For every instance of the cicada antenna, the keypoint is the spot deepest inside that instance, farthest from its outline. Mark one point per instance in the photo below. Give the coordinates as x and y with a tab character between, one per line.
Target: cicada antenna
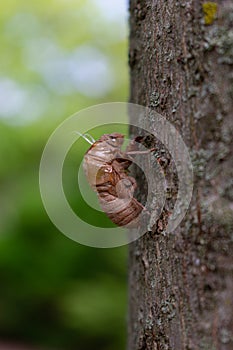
90	137
90	140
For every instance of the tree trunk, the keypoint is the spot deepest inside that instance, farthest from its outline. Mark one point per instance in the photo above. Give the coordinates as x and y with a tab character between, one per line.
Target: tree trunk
180	284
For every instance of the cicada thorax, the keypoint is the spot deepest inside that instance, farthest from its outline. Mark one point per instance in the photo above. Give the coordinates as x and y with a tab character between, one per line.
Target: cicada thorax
105	166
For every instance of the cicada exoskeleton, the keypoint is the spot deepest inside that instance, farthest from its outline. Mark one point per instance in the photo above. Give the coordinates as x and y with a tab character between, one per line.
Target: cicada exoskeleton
106	168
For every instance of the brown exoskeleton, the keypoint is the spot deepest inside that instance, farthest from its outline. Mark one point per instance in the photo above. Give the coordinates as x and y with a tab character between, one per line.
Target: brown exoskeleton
106	168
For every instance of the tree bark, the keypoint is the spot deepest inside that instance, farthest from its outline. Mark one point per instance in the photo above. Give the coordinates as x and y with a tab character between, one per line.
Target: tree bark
180	284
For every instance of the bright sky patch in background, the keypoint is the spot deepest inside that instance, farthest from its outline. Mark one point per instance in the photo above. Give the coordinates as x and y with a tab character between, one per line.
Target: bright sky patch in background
72	53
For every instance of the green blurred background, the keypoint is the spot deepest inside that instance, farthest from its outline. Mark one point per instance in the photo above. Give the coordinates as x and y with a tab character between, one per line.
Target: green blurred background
57	57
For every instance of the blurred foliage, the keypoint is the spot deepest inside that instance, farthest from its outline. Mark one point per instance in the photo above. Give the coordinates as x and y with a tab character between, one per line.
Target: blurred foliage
57	57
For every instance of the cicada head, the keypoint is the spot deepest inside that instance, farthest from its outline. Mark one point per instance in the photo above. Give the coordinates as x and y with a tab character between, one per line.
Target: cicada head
114	140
